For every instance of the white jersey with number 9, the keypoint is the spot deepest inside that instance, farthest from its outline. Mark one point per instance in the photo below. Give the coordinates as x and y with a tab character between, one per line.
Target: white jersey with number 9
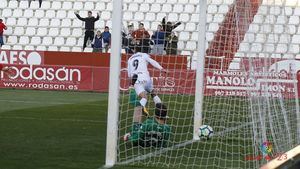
138	64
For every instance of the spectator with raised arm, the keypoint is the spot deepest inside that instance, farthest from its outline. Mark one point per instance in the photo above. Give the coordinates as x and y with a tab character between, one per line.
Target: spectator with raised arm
2	28
89	26
169	26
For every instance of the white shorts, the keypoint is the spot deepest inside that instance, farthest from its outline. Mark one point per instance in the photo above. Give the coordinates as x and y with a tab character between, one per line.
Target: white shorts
143	83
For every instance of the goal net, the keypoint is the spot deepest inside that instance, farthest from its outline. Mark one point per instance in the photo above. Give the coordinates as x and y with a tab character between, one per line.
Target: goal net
250	96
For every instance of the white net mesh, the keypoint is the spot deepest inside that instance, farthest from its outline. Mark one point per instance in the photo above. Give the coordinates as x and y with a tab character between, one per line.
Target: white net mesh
251	93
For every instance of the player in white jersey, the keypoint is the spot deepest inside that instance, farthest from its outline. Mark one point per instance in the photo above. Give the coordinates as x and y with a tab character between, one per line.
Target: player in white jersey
137	66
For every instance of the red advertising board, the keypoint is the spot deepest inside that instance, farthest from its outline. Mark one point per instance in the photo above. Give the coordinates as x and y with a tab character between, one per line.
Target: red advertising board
48	77
175	82
217	83
92	69
21	57
83	78
241	83
90	72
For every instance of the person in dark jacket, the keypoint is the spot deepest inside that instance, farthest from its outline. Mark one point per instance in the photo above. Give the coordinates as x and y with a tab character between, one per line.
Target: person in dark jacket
89	26
159	40
145	44
171	47
168	27
106	36
127	39
97	43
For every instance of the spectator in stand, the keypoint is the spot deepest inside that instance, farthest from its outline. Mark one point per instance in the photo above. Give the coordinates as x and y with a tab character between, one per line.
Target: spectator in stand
40	1
169	27
89	26
146	45
159	39
171	47
2	28
97	42
106	37
141	38
127	39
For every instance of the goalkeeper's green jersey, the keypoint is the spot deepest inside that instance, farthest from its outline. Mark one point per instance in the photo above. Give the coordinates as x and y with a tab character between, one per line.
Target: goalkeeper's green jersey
150	133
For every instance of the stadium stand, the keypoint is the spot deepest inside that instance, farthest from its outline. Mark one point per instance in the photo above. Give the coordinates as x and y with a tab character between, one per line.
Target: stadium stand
275	39
55	23
55	27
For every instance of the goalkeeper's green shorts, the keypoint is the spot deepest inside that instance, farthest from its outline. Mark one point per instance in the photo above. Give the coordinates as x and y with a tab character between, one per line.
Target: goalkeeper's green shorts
133	98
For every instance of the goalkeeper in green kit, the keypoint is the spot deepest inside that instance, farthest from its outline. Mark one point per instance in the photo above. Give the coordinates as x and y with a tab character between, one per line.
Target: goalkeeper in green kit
153	132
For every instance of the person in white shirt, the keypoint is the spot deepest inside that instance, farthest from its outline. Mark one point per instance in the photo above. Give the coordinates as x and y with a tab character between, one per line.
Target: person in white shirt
137	66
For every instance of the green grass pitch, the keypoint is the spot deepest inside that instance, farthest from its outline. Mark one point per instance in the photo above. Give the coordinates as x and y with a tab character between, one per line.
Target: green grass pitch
67	130
52	130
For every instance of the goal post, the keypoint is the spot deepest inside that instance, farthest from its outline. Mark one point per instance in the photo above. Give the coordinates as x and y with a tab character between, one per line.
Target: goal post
114	86
199	90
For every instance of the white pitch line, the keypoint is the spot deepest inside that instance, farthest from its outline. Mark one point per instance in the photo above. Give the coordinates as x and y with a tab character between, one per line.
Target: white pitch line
143	157
69	120
230	129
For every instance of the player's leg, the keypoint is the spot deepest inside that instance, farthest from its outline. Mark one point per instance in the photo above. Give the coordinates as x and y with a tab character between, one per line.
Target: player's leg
134	101
85	40
140	91
150	89
133	136
143	102
155	97
139	84
1	41
91	36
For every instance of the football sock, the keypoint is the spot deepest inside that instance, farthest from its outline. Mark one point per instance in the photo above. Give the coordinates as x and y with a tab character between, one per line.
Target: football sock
143	102
156	99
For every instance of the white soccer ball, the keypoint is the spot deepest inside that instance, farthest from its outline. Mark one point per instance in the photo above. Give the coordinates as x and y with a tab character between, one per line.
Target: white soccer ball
205	131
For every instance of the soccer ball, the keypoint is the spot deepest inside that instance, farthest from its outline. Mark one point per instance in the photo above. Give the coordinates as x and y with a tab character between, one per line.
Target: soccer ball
205	131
